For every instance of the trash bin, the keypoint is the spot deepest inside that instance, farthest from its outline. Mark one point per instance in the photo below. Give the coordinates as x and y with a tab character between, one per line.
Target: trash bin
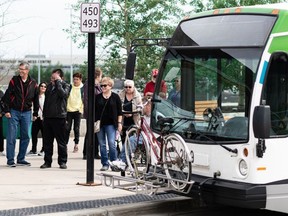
4	124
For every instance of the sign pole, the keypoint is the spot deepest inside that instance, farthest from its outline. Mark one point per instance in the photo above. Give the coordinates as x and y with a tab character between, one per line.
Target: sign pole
91	109
90	23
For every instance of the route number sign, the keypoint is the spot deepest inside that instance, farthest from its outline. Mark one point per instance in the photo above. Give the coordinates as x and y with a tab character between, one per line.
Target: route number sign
90	17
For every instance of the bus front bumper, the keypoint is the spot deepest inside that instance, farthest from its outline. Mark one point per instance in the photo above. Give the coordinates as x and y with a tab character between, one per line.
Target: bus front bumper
232	193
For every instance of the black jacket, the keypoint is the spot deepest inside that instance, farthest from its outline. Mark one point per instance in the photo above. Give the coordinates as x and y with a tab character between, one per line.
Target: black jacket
111	111
16	98
55	104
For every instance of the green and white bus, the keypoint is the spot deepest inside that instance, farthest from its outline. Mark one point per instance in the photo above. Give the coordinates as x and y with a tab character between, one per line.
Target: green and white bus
232	107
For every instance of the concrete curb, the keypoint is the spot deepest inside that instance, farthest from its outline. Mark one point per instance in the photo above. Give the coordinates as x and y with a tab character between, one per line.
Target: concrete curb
177	204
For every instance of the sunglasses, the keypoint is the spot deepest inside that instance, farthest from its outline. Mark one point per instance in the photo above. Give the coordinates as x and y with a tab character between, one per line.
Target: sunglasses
128	86
104	85
43	86
176	80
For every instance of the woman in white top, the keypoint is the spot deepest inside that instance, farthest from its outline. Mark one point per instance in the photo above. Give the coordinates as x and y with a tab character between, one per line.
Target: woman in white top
131	101
37	124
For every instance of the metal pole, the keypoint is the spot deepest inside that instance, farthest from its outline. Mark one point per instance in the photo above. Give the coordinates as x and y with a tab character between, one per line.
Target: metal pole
39	53
39	67
91	108
71	62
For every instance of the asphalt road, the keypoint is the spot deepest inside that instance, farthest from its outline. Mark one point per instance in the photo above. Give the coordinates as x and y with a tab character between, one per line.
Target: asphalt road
218	211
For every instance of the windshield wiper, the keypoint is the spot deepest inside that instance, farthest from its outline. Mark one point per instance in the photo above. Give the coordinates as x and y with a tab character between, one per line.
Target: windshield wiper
235	151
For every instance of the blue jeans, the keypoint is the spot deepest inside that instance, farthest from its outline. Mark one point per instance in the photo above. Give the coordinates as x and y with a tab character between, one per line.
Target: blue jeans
108	131
23	119
133	145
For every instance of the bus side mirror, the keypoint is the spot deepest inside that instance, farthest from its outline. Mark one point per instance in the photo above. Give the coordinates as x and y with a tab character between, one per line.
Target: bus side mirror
130	66
262	122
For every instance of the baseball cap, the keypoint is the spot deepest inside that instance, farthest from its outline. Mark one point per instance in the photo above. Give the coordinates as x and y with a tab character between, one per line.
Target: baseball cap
154	72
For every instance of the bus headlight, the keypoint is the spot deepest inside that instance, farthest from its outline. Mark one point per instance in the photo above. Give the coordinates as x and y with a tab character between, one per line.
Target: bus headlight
243	167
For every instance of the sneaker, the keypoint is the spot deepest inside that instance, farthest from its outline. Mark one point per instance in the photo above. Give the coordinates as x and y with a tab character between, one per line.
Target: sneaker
31	153
41	153
104	168
11	165
45	165
23	163
2	153
63	166
113	167
119	164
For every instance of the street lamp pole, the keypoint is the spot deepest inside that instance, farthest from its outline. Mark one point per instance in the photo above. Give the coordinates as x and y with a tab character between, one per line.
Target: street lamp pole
39	69
39	59
71	62
69	7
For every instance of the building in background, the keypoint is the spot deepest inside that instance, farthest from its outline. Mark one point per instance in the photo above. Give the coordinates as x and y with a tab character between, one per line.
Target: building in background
8	67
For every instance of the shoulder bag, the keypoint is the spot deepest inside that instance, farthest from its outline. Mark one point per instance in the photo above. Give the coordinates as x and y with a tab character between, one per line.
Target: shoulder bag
98	122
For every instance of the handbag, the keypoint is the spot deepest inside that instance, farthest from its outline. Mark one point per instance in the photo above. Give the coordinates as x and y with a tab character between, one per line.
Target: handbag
97	126
98	122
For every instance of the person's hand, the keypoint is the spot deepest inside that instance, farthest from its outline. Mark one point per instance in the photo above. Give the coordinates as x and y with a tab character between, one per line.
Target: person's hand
8	115
149	94
162	95
34	118
56	76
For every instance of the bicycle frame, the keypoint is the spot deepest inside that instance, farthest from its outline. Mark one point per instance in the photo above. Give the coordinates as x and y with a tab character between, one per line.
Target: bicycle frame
155	145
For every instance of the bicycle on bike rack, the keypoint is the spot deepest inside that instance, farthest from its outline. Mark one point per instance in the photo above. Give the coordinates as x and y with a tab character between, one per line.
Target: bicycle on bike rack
168	153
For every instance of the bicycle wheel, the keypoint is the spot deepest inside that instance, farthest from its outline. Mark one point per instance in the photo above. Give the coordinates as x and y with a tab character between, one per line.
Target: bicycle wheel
137	152
176	161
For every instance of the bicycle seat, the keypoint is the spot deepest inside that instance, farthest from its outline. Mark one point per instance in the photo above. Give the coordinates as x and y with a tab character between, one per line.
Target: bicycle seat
164	121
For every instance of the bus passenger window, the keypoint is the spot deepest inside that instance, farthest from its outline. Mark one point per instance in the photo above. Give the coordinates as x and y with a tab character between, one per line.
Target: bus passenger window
276	91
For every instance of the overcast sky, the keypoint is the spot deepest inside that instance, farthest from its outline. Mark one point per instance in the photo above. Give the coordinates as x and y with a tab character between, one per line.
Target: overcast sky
35	24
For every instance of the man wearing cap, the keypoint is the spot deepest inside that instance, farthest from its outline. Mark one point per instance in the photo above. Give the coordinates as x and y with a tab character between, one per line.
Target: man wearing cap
150	86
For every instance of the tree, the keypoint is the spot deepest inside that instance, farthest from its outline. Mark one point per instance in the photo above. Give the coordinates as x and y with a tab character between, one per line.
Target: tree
6	68
124	20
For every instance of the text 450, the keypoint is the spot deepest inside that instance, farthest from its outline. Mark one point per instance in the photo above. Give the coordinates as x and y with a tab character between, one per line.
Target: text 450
90	11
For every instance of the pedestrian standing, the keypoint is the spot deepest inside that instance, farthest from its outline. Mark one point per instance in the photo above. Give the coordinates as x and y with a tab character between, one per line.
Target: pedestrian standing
108	109
37	124
75	109
55	113
131	101
97	90
150	86
18	100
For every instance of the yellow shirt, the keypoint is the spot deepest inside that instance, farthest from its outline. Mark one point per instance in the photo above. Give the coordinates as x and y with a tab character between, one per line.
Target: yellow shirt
75	102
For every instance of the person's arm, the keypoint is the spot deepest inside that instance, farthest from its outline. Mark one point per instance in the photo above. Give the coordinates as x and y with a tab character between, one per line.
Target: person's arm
119	112
6	99
63	88
163	90
138	101
35	103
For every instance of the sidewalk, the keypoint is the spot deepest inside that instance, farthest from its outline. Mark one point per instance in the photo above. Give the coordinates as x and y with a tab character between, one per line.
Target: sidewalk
25	187
31	186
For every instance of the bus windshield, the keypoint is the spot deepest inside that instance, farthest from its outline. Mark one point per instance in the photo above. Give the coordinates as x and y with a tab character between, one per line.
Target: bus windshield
209	87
